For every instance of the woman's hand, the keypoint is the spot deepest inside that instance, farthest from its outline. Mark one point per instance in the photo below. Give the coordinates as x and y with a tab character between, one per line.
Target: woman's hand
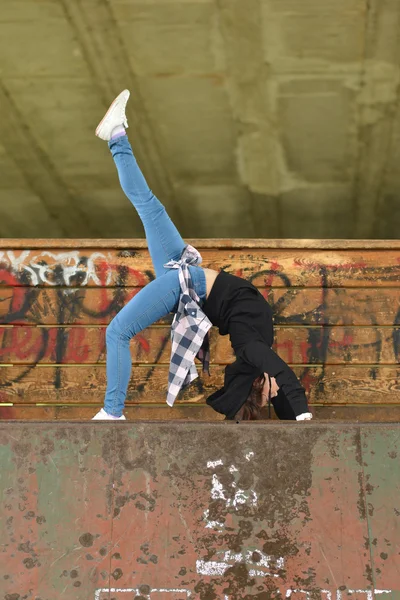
268	389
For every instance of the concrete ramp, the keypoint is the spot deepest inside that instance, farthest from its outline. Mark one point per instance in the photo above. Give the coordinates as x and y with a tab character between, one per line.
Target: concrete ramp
154	511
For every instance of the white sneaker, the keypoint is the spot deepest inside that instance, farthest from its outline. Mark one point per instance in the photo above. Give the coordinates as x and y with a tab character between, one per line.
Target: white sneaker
114	117
103	416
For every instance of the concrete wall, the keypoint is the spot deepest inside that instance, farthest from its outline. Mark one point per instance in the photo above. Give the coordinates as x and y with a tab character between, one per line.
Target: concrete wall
251	118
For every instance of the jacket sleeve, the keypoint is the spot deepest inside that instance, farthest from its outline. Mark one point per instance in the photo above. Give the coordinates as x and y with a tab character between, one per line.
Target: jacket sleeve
266	360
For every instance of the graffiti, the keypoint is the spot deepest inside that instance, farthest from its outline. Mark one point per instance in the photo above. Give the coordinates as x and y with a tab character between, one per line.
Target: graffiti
70	274
40	288
319	343
63	268
26	301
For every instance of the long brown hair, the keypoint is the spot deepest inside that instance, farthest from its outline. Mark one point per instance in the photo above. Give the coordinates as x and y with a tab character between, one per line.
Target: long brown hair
251	409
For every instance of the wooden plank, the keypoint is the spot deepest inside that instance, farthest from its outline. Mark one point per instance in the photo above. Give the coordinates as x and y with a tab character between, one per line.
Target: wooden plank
296	345
49	306
95	267
316	269
293	306
318	244
87	384
85	413
347	414
373	413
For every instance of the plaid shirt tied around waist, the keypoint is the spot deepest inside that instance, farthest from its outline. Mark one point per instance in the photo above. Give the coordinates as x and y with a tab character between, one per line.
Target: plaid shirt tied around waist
189	329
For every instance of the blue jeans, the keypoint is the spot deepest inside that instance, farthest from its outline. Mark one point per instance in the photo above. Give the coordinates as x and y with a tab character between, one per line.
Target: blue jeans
160	296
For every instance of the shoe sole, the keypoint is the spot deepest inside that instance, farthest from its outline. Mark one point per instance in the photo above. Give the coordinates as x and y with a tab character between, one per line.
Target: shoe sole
112	105
107	419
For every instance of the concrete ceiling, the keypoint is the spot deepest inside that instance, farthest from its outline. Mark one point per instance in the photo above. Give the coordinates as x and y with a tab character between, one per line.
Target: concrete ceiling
250	118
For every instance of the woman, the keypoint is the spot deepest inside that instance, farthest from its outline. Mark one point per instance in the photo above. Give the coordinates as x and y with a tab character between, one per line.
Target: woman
199	298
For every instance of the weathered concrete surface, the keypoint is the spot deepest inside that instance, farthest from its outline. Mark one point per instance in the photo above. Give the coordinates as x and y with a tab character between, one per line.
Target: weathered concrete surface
269	118
205	511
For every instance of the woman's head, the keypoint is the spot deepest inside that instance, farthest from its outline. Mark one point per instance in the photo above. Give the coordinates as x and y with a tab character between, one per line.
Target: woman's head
264	388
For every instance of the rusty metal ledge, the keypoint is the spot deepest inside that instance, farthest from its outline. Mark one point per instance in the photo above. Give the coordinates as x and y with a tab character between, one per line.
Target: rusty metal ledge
152	510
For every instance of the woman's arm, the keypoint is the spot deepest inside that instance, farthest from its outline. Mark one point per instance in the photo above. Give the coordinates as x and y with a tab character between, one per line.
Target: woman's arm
267	361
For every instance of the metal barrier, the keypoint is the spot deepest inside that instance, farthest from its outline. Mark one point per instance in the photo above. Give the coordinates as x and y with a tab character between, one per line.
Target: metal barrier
200	510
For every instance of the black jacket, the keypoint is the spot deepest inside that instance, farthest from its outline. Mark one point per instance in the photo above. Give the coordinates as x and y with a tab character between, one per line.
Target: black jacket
237	308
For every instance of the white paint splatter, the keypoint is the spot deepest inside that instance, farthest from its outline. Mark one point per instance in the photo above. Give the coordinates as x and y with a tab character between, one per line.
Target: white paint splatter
137	591
217	490
255	573
172	591
242	497
212	524
214	463
212	568
368	593
280	563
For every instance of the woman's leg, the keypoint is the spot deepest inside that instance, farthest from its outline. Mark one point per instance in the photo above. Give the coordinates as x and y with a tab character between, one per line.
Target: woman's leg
153	302
163	238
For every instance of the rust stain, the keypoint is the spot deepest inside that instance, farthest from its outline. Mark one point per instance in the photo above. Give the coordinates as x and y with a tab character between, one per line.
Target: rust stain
197	511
